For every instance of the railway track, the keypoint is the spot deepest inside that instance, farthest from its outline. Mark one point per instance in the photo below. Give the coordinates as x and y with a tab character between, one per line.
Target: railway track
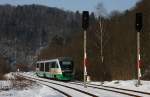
61	92
115	89
81	92
65	94
124	89
93	86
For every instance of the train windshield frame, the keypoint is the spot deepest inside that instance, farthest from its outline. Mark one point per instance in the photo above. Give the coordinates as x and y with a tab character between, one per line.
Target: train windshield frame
66	65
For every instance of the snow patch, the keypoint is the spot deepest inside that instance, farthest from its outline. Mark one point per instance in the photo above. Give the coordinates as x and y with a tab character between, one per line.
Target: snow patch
9	76
128	84
35	91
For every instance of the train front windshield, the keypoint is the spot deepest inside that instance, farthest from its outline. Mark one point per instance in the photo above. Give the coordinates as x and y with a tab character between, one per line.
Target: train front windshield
66	65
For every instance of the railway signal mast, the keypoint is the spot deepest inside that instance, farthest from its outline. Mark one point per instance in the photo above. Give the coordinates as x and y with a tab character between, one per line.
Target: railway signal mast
85	25
139	24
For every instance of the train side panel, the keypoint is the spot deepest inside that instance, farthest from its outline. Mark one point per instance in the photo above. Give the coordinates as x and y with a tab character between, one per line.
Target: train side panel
52	69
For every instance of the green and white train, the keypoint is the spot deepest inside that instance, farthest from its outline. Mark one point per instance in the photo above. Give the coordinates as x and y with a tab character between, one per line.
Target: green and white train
59	69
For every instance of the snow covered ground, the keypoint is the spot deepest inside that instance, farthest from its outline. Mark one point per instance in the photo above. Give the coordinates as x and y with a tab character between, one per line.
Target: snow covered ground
128	84
33	90
37	90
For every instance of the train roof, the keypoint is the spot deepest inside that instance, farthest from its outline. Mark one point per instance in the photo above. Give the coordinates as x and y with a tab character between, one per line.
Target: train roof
64	58
56	59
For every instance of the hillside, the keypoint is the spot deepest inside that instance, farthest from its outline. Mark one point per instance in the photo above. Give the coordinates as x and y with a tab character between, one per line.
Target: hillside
25	30
33	32
119	46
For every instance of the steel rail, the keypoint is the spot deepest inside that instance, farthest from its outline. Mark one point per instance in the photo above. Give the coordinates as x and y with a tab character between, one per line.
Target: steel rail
66	94
117	88
92	95
110	90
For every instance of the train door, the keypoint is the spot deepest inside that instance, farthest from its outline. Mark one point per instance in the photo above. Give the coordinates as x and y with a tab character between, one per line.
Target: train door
37	67
47	67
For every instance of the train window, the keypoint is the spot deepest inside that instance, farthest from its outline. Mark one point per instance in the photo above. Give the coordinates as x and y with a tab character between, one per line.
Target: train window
46	67
66	65
37	65
50	64
54	65
42	67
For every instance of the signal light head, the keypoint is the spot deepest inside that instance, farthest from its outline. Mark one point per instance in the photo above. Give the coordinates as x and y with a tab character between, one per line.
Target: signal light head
85	20
139	21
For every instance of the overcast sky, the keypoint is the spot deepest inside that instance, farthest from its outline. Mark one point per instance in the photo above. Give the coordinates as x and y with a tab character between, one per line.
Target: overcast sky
80	5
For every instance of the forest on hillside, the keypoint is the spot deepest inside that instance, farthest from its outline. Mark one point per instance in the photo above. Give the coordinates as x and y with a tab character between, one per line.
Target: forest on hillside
38	32
26	30
119	46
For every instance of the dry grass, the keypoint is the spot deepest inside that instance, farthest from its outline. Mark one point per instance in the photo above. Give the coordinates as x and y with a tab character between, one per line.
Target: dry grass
18	83
21	83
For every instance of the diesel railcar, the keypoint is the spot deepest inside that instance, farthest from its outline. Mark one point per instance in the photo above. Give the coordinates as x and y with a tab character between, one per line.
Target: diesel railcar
59	68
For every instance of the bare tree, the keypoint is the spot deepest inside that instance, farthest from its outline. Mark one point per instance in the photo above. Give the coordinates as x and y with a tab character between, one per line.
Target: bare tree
100	10
101	37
